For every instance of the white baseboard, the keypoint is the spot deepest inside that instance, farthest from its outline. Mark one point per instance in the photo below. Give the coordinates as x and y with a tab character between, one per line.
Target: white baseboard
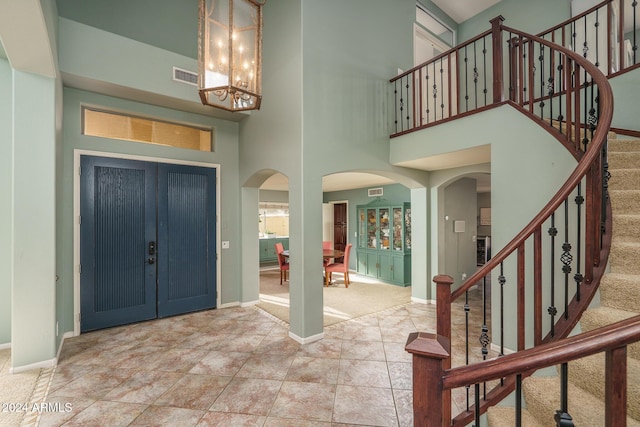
38	365
422	301
250	303
5	346
307	340
229	304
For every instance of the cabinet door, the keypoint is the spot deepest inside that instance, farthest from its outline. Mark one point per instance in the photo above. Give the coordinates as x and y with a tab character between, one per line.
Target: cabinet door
264	249
385	272
372	264
398	268
362	263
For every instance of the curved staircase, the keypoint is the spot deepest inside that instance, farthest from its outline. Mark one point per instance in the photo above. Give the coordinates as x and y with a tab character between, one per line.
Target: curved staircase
619	299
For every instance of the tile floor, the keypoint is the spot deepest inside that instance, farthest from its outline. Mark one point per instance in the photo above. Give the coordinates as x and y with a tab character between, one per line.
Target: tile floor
238	367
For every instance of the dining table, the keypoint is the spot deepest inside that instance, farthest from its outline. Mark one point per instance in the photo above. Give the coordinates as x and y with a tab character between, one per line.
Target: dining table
327	254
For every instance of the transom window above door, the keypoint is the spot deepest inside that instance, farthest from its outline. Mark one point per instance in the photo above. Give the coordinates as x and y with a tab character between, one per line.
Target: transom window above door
108	124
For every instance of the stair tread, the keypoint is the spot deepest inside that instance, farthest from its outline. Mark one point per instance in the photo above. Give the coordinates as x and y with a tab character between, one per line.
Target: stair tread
542	395
588	374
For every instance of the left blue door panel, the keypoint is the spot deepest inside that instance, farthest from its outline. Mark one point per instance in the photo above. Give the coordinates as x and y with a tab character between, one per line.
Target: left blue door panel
118	221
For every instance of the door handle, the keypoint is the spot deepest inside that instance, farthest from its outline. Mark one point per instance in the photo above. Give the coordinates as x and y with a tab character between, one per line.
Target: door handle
152	248
151	260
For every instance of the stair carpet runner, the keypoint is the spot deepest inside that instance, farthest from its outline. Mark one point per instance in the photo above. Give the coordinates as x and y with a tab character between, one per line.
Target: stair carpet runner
619	299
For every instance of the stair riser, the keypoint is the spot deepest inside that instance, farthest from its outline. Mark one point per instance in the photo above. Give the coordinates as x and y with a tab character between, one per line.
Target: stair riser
625	179
625	202
618	145
624	259
626	228
633	350
629	160
588	374
620	294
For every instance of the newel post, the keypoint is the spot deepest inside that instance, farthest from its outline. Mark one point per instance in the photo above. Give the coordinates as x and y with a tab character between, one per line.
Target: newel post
443	305
498	60
431	355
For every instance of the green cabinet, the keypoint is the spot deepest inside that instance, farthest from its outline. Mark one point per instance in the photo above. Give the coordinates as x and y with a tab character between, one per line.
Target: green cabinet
384	242
268	250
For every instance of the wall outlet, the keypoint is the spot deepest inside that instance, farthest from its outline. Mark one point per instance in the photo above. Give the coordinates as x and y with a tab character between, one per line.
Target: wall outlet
464	276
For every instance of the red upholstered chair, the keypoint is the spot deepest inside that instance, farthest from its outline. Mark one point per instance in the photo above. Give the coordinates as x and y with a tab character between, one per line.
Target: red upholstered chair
339	267
325	246
282	262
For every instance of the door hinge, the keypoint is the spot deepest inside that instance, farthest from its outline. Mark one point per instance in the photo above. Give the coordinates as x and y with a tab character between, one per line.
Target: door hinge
79	219
80	170
80	268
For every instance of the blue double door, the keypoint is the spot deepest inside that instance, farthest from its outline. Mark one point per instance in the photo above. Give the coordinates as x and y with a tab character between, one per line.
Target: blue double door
147	240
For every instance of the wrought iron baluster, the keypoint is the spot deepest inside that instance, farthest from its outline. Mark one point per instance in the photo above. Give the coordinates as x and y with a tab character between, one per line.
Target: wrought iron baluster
502	281
550	84
542	82
466	78
441	89
578	277
552	310
566	258
408	101
597	25
635	25
395	104
561	61
475	75
426	101
585	45
562	417
512	54
484	64
484	336
435	94
467	309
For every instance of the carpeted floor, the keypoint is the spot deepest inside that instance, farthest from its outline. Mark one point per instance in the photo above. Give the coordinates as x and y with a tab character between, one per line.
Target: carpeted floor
364	296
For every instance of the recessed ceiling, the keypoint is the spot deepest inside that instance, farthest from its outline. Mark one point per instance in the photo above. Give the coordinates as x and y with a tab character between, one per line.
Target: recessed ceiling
461	10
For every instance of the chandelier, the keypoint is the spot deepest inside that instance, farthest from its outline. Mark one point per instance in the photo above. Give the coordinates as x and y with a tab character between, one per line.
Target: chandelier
230	54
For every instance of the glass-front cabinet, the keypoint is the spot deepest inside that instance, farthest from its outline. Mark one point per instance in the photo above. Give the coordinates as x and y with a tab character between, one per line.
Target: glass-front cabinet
384	241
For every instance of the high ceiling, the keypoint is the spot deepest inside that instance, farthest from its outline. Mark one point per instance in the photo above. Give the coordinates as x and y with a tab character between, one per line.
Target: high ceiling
461	10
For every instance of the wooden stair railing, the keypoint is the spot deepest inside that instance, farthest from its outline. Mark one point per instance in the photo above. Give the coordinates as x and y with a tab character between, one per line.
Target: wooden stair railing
542	79
430	356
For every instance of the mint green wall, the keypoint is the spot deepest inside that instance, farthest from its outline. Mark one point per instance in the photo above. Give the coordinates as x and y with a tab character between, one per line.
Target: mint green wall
6	174
122	61
529	16
34	204
460	204
146	21
626	92
226	155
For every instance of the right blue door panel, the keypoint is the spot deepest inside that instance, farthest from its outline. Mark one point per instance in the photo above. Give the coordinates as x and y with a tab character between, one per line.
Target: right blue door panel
187	236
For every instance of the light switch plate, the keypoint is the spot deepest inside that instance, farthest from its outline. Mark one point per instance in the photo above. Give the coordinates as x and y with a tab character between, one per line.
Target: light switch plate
225	244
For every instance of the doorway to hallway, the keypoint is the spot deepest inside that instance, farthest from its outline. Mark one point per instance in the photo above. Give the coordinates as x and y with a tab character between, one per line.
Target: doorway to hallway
147	240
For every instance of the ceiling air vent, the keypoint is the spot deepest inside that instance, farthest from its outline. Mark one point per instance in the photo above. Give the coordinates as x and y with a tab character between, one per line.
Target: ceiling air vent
185	76
374	192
